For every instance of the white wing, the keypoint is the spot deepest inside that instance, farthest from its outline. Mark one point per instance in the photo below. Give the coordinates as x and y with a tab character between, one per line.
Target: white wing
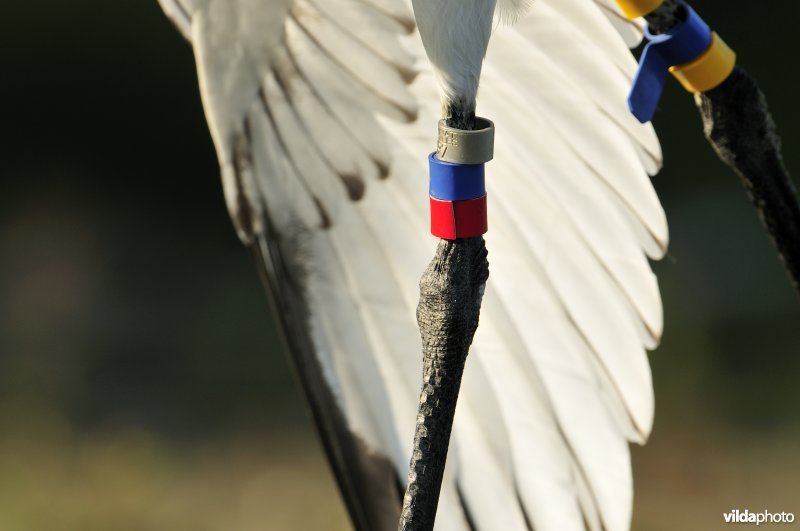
322	113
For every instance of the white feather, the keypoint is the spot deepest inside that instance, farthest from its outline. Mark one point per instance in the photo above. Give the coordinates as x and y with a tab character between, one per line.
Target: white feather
557	381
511	10
456	48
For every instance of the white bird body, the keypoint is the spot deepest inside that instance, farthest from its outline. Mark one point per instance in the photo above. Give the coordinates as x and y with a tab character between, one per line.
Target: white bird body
322	133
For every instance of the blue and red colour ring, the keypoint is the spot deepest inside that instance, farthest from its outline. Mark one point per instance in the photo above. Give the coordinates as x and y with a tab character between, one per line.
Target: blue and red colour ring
458	199
458	181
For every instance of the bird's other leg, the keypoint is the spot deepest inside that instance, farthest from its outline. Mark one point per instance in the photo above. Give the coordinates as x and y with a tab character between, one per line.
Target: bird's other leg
668	15
740	128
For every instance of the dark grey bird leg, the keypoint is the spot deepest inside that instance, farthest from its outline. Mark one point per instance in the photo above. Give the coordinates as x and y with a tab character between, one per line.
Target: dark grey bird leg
668	15
740	128
451	290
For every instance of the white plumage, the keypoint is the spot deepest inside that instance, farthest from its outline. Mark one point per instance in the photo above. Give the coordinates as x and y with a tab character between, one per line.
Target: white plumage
323	112
455	34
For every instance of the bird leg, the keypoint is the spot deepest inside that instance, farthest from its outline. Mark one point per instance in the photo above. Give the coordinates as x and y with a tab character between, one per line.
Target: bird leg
459	115
451	290
740	128
668	15
456	35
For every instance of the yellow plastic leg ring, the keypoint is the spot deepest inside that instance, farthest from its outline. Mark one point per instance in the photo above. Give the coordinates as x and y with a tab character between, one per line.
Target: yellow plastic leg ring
708	70
638	8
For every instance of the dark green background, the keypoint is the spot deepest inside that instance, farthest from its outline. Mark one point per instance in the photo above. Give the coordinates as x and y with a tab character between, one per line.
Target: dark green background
126	301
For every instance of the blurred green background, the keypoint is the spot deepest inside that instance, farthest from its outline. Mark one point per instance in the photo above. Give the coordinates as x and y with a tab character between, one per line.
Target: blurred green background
142	381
